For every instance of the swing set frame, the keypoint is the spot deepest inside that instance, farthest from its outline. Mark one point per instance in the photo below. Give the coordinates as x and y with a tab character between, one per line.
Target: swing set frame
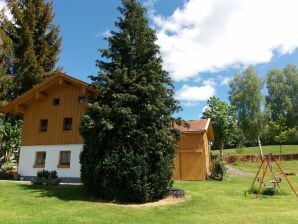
267	161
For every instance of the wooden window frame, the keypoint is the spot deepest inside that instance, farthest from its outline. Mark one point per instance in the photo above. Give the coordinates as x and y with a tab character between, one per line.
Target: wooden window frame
37	165
64	165
65	127
41	129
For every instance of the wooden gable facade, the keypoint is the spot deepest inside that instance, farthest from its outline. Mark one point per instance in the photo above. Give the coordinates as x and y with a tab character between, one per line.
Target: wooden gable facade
49	107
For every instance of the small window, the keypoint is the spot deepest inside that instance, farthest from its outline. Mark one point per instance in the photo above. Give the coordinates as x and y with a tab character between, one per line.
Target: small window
56	101
67	123
82	99
40	160
64	159
43	125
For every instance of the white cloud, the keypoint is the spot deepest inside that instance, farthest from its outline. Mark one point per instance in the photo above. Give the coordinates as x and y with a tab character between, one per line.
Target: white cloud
225	81
212	35
191	95
3	6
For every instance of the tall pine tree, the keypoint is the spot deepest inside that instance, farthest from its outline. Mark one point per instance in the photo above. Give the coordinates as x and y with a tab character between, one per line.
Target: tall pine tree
36	41
129	142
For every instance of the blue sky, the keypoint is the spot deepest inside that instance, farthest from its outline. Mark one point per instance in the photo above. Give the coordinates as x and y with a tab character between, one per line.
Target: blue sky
203	42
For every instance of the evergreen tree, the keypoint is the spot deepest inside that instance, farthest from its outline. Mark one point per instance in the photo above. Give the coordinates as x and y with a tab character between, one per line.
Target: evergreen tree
246	96
36	41
129	142
5	67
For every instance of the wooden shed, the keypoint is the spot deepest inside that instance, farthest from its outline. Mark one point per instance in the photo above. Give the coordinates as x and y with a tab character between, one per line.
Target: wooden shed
192	161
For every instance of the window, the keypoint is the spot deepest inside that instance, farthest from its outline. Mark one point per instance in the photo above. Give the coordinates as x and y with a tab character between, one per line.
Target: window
64	160
40	160
67	123
56	101
43	125
81	99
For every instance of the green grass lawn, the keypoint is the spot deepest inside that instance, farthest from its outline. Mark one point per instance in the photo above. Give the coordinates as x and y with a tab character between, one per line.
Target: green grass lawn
208	202
274	149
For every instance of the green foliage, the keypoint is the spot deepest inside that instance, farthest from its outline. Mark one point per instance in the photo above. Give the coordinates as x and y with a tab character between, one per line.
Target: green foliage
129	142
6	55
53	174
224	122
43	174
6	176
246	96
218	170
269	191
282	98
279	129
35	42
10	137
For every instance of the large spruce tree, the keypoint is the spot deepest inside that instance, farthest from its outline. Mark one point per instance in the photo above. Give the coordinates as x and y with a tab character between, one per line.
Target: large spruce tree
6	61
129	142
36	41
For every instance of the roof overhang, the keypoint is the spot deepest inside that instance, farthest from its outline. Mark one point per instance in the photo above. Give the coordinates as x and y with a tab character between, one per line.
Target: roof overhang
18	105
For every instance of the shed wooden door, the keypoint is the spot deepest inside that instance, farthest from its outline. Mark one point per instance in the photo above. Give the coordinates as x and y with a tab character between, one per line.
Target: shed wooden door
189	166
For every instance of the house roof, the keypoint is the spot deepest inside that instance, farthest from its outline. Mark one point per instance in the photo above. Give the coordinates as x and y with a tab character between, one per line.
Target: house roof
17	105
198	126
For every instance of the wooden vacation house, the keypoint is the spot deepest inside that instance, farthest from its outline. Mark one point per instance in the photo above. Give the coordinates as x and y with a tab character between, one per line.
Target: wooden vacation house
52	112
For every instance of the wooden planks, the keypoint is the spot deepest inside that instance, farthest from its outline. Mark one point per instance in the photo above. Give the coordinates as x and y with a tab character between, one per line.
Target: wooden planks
44	109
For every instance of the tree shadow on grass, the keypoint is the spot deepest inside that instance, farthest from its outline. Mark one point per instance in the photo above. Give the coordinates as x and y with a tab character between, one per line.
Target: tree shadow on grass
62	192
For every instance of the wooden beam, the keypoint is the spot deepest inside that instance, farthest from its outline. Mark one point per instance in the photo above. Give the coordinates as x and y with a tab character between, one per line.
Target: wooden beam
19	109
63	82
40	96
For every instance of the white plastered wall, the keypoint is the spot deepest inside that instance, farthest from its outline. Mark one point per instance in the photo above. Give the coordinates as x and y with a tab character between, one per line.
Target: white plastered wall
28	154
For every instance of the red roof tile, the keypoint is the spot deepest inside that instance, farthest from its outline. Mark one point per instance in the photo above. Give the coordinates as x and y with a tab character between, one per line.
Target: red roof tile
195	126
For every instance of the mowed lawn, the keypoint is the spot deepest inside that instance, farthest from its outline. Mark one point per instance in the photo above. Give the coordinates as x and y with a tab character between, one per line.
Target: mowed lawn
208	202
274	149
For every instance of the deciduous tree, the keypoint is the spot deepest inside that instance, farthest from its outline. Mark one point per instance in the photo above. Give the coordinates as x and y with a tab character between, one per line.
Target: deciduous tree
246	96
224	121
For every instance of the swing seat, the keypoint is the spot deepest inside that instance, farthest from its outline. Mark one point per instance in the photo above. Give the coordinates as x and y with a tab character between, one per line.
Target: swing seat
275	181
269	187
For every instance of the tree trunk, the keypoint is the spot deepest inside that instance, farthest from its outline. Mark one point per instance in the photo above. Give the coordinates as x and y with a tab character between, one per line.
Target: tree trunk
260	148
221	152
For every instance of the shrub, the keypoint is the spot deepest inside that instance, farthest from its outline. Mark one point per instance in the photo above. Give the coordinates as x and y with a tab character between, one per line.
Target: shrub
53	174
46	177
269	191
6	176
218	170
43	174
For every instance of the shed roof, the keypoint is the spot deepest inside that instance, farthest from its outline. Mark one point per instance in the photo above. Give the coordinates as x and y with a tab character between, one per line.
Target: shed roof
202	125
